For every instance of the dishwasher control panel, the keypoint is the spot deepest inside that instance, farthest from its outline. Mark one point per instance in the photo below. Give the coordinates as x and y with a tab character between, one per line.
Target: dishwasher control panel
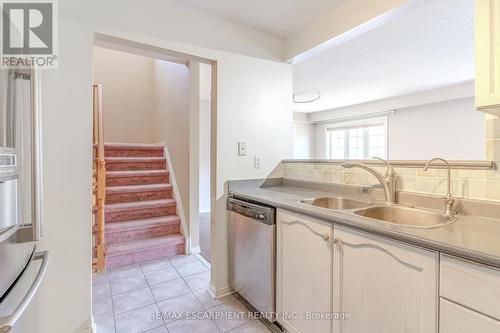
257	212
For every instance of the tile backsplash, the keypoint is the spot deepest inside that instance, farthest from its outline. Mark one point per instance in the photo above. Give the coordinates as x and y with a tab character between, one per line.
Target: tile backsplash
465	183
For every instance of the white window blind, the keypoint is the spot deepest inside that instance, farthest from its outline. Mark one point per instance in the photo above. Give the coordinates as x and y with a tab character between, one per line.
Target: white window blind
357	142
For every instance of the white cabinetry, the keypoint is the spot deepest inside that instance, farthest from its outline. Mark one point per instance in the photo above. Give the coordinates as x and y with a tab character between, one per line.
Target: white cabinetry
470	294
470	284
385	286
304	272
377	284
458	319
488	55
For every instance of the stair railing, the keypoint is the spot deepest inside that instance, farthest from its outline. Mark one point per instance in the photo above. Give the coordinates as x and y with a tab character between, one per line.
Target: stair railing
98	181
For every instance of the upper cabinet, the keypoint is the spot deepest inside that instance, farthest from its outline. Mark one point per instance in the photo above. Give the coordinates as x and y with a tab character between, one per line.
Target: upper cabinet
488	56
385	286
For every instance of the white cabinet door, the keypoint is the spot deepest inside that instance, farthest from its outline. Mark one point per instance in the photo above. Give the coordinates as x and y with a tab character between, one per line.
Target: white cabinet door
384	286
488	55
458	319
304	273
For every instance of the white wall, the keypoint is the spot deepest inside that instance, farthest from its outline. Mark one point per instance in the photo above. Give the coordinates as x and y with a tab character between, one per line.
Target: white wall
454	92
171	89
303	142
129	102
204	160
204	136
253	105
167	20
451	129
63	304
251	92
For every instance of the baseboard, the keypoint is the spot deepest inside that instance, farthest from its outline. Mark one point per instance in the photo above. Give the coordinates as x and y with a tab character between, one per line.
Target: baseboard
203	260
92	327
187	245
221	292
195	249
176	196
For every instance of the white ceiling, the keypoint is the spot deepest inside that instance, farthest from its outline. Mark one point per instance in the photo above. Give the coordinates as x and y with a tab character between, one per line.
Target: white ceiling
427	48
277	17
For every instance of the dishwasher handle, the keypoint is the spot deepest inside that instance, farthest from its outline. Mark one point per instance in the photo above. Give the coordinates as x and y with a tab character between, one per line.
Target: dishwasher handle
263	214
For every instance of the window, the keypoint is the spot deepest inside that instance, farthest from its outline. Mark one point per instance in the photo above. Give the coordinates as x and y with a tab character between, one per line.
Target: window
357	142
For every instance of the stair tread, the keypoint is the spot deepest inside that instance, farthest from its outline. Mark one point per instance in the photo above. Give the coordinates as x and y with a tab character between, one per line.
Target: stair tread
145	146
143	244
138	224
134	159
121	206
135	173
137	188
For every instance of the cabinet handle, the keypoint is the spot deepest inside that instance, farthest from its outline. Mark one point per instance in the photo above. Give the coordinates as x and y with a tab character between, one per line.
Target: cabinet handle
325	237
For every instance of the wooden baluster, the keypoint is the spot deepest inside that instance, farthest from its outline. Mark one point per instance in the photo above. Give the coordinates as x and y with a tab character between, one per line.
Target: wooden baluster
101	177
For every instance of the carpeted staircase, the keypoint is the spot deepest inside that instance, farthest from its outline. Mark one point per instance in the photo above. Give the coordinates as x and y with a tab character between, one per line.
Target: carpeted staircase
140	212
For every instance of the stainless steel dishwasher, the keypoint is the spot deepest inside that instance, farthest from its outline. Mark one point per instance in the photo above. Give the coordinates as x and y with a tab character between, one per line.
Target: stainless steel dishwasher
252	253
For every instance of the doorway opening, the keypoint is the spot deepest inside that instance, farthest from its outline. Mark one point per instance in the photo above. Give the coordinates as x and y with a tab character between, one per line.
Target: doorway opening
154	137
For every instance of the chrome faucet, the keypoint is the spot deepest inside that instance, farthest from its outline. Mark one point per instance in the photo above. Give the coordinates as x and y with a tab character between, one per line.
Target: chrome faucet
449	201
388	181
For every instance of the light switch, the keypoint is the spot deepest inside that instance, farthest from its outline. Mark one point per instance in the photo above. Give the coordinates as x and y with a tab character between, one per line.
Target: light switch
242	149
257	163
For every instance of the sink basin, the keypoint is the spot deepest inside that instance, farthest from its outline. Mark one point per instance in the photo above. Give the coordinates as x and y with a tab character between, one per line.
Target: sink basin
410	217
336	203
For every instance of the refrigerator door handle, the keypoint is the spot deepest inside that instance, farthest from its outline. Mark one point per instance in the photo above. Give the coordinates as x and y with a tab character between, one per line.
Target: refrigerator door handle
37	156
8	322
34	230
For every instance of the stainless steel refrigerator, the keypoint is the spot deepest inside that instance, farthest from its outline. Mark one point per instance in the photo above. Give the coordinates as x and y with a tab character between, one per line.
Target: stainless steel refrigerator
22	265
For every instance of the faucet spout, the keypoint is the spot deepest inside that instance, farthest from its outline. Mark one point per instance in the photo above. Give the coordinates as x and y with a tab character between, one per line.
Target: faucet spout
388	181
449	210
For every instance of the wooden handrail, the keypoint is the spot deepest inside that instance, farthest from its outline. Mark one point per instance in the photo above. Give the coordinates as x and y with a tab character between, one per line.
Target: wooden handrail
100	177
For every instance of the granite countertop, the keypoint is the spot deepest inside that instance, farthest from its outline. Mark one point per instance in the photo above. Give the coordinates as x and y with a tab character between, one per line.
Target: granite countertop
470	237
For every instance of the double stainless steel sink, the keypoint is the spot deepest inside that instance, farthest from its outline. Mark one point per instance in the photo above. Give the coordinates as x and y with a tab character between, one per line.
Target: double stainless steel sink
336	203
393	214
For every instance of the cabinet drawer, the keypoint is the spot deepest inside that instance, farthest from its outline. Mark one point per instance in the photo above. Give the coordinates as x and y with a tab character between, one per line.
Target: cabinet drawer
458	319
472	285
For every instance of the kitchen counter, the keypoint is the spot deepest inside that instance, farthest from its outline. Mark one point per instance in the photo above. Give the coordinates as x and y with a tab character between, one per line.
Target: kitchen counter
470	237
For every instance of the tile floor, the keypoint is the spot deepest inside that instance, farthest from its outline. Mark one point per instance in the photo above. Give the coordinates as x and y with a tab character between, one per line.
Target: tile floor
166	296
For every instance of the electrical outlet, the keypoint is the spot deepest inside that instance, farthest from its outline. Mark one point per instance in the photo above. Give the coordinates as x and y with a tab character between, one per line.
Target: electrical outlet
242	149
348	178
257	163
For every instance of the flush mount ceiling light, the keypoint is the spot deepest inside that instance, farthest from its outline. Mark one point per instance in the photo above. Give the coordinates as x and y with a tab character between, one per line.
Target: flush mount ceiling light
306	101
